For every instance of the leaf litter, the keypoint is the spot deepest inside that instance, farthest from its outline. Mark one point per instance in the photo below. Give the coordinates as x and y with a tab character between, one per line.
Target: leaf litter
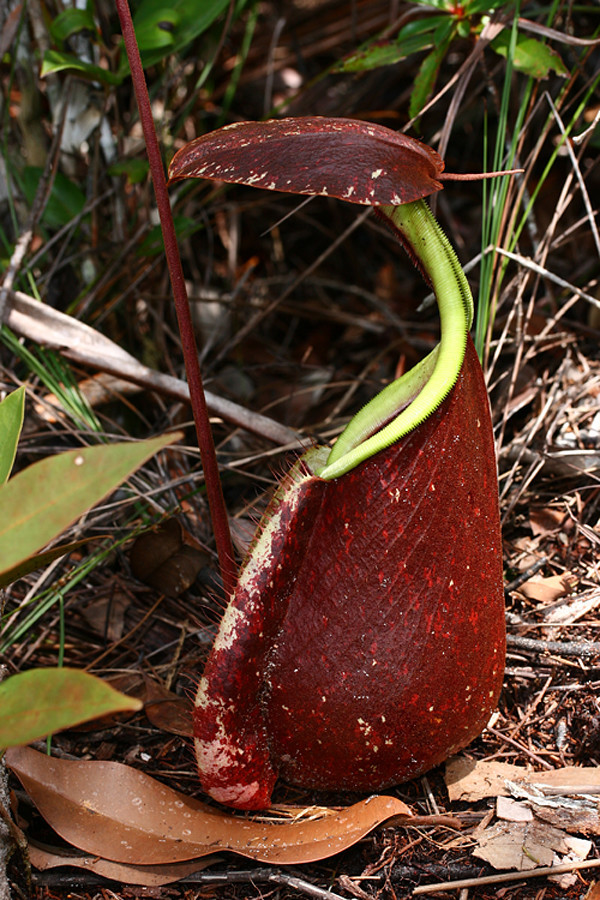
558	724
44	858
118	813
538	814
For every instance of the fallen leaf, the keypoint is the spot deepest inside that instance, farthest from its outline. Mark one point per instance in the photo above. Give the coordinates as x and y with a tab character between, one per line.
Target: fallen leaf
566	797
546	590
580	818
166	710
121	814
512	810
148	876
106	615
568	779
521	845
167	558
471	780
545	520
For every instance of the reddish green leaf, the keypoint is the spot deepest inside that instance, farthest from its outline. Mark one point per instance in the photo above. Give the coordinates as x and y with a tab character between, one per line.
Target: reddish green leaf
11	422
345	158
365	641
41	701
44	499
42	559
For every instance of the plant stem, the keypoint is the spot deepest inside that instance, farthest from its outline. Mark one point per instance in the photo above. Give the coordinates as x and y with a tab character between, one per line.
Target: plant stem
429	383
206	445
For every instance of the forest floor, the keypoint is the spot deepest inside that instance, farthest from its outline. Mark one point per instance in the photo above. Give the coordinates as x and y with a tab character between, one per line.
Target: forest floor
302	313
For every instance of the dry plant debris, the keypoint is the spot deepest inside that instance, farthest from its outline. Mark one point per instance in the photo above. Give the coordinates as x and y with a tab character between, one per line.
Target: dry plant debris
296	329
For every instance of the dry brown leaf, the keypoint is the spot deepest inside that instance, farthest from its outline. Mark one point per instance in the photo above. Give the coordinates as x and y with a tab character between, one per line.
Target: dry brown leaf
545	520
118	813
470	780
168	558
525	845
148	876
166	710
549	793
513	810
106	615
566	780
546	590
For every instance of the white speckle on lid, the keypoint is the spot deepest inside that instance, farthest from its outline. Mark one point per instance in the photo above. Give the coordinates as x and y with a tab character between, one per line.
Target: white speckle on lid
79	460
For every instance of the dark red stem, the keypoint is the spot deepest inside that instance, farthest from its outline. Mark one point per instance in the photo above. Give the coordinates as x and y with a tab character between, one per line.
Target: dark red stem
208	455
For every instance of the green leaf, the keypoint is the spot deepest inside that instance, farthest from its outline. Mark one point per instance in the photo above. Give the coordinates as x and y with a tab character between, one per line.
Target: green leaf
158	32
66	200
44	499
57	61
412	38
12	409
445	5
476	7
135	169
42	559
42	701
153	241
71	21
463	28
429	68
163	27
531	56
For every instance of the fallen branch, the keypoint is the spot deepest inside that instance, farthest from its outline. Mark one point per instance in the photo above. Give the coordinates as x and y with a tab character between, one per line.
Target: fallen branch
41	323
503	877
585	649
